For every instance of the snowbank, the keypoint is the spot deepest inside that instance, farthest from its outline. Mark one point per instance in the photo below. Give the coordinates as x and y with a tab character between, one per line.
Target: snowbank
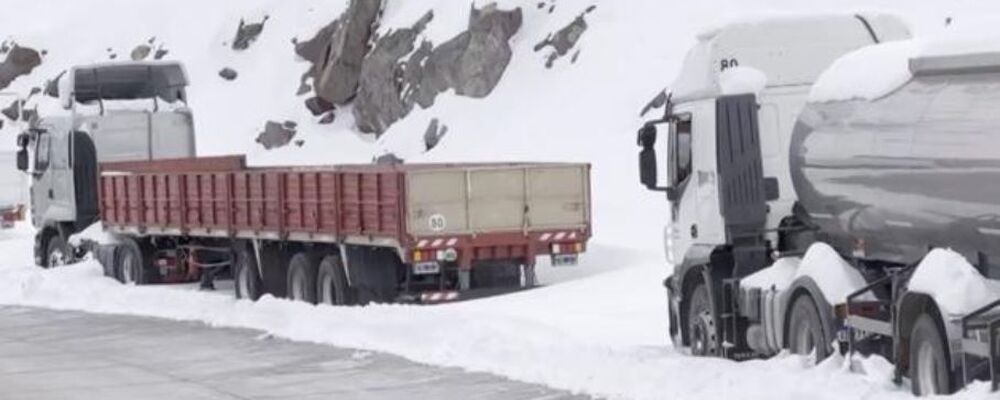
956	286
742	80
603	336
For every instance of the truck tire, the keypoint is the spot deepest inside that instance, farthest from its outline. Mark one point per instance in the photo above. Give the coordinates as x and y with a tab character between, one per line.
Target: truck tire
246	275
302	270
702	332
929	367
57	252
133	263
805	329
331	280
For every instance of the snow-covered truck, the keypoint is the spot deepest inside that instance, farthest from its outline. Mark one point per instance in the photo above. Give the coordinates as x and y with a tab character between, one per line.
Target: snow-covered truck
832	186
326	234
13	188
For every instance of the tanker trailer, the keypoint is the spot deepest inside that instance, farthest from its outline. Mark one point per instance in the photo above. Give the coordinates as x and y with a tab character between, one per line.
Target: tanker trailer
889	243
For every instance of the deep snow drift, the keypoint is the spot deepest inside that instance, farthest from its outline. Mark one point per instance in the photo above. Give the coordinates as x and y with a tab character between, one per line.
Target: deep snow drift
600	329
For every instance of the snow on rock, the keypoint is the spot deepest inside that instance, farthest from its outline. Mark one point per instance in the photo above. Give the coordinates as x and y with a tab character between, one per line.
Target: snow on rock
742	80
832	274
19	61
956	286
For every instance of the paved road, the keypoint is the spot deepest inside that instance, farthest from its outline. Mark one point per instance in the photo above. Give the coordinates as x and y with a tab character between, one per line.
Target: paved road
49	355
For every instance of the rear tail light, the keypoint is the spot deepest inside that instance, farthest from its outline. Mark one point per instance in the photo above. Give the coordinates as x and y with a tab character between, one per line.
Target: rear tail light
567	248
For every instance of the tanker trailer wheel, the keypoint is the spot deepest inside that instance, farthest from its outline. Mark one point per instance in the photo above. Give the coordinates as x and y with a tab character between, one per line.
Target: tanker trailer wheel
703	335
302	270
246	275
331	280
805	329
57	252
929	367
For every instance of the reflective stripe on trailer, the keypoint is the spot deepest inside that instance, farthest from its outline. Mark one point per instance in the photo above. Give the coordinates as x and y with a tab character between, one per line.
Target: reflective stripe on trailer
436	297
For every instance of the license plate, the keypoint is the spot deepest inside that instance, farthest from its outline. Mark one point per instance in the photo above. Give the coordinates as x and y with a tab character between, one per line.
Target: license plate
426	268
564	260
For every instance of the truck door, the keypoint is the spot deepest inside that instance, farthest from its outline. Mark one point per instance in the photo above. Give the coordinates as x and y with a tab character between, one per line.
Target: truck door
52	192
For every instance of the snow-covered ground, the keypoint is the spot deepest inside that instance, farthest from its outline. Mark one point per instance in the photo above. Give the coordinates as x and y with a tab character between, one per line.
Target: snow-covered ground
602	334
599	329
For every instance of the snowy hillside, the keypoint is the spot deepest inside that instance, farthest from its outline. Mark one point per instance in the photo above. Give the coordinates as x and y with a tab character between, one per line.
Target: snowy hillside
584	111
598	330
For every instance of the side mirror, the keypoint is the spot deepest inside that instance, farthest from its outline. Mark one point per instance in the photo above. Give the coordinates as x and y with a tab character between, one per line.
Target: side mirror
22	160
647	157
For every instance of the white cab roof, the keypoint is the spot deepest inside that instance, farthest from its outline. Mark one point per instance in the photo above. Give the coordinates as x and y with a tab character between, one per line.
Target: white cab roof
788	50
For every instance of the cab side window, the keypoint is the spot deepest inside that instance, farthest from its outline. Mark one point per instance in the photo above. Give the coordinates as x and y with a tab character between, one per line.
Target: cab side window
42	155
682	148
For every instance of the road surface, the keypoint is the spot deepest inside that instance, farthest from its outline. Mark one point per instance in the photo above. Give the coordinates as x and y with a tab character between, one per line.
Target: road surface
49	355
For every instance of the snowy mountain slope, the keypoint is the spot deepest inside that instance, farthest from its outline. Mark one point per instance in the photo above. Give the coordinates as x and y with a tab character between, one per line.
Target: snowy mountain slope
599	333
585	111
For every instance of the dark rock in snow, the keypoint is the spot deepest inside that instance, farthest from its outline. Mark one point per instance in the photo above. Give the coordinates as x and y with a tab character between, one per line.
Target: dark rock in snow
328	118
337	74
576	56
317	105
471	64
304	88
275	135
382	98
291	125
20	61
11	111
434	134
659	101
389	159
141	52
564	40
52	86
300	143
30	115
160	53
228	74
246	34
4	47
112	56
34	90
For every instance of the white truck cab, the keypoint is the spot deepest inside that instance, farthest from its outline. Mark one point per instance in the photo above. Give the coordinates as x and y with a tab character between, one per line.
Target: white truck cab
776	60
723	163
128	111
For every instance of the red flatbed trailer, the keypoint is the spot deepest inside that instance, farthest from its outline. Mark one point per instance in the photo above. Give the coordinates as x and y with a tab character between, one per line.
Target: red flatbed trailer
441	222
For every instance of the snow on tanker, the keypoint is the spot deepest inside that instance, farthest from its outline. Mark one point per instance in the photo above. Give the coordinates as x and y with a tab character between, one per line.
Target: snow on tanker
818	168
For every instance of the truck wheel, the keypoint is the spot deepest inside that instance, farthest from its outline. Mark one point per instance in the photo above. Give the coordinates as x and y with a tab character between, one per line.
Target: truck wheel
302	271
132	264
805	329
929	371
246	276
57	253
701	324
332	284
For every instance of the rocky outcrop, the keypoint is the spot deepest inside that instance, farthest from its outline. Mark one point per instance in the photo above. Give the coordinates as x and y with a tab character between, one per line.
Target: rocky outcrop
20	61
435	132
339	50
277	134
383	97
246	34
228	74
140	52
565	40
471	64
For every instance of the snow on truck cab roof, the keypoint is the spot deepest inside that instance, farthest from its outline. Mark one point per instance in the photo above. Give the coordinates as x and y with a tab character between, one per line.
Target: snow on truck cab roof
788	50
